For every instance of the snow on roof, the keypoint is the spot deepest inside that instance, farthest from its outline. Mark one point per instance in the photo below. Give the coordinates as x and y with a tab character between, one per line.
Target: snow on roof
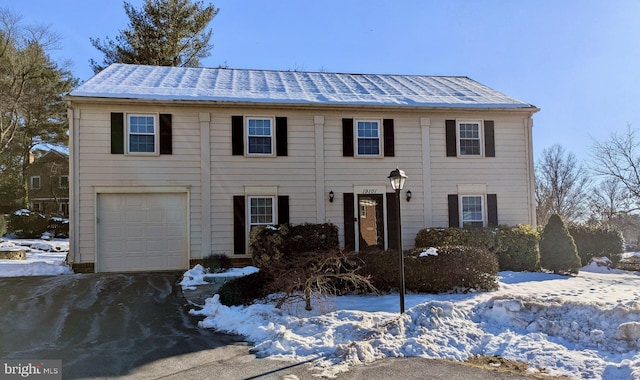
291	87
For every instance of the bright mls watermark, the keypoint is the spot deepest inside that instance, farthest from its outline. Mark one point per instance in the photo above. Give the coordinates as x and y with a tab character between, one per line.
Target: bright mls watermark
31	369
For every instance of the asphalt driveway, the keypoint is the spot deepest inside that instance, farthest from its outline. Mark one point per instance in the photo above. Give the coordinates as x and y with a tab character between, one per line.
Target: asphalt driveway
100	325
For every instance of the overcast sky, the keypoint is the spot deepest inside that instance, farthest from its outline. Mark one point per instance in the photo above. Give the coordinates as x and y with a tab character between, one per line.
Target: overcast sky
577	60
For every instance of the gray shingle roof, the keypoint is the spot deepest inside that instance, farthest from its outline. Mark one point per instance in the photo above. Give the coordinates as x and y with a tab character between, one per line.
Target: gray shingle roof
291	87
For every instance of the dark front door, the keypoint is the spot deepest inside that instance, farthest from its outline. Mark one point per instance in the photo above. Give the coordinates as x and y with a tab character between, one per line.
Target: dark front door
370	221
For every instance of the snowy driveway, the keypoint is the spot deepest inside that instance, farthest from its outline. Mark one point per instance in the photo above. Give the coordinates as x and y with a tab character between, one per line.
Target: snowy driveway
99	325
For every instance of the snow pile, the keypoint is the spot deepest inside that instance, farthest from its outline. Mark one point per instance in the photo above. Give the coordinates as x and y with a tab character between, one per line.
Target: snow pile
198	275
429	252
44	258
586	326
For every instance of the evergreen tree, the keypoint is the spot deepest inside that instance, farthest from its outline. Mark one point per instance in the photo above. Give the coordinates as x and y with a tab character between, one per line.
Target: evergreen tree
558	251
162	33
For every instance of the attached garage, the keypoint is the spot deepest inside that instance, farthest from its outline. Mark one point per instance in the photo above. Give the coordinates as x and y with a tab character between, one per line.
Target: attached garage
145	231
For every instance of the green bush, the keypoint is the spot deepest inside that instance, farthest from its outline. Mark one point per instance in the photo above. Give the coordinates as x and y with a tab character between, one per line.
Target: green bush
594	241
310	237
217	263
267	244
558	251
455	268
270	245
439	236
27	224
517	248
246	289
59	227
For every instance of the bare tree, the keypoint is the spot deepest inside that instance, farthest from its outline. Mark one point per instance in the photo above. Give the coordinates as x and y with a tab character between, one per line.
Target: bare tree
561	186
619	158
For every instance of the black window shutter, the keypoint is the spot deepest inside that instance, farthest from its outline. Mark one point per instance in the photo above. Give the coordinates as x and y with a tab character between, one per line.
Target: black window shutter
389	147
347	137
489	137
349	229
237	135
283	209
281	136
392	220
165	134
239	226
450	129
117	133
492	210
454	214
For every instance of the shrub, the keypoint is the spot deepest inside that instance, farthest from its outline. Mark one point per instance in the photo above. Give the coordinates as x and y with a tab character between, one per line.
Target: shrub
246	289
330	272
437	237
558	251
267	244
593	241
217	263
310	237
517	248
27	224
455	268
59	227
270	245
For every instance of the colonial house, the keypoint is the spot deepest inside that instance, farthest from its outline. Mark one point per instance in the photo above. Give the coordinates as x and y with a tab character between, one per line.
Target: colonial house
170	165
48	183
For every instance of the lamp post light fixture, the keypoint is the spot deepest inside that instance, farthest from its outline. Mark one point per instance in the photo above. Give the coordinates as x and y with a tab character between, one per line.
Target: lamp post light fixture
397	178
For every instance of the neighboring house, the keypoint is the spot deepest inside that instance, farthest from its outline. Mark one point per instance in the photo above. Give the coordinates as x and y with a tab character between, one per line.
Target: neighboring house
170	165
48	178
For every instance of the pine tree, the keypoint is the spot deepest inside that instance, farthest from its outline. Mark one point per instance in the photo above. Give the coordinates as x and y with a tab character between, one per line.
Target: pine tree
162	33
558	251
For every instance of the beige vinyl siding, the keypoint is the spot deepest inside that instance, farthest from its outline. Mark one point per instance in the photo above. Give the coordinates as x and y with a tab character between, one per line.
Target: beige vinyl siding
293	175
99	168
506	175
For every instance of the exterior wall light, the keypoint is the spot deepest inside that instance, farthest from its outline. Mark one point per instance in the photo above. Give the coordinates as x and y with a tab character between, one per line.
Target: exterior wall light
331	195
408	195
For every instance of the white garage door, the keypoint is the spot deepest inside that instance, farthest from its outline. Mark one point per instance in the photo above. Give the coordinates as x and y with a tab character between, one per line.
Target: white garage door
142	232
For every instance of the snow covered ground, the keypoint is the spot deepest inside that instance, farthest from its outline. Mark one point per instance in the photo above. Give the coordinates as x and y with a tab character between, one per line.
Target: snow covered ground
44	257
586	326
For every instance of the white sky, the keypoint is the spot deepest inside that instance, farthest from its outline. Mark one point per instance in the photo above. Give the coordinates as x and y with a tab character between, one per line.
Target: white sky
577	60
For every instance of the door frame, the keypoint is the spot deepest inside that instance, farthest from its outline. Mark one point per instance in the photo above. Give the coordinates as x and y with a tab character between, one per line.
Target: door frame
369	190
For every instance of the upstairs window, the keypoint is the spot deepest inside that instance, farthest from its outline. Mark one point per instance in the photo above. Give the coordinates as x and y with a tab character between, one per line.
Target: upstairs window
142	134
259	136
469	139
34	182
63	182
472	211
368	137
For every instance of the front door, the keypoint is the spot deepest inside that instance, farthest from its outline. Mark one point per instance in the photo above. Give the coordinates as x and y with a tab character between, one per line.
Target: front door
370	221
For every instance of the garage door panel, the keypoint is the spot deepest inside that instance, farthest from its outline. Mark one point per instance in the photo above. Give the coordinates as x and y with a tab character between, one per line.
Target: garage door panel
142	232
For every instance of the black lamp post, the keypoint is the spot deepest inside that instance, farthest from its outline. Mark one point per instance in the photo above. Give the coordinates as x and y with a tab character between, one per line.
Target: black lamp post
397	178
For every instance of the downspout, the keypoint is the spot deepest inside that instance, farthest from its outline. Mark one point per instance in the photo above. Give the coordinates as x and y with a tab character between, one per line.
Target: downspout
73	116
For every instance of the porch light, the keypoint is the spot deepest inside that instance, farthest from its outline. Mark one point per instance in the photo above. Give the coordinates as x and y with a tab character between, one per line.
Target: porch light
331	195
408	195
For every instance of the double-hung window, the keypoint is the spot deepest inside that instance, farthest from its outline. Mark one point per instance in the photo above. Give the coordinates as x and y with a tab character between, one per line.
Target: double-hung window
261	211
259	136
35	182
63	182
368	137
472	211
470	143
142	134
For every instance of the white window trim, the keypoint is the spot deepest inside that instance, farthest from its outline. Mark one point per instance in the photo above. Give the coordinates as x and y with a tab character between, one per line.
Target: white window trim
31	182
483	205
272	136
356	140
60	185
156	135
480	138
274	204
